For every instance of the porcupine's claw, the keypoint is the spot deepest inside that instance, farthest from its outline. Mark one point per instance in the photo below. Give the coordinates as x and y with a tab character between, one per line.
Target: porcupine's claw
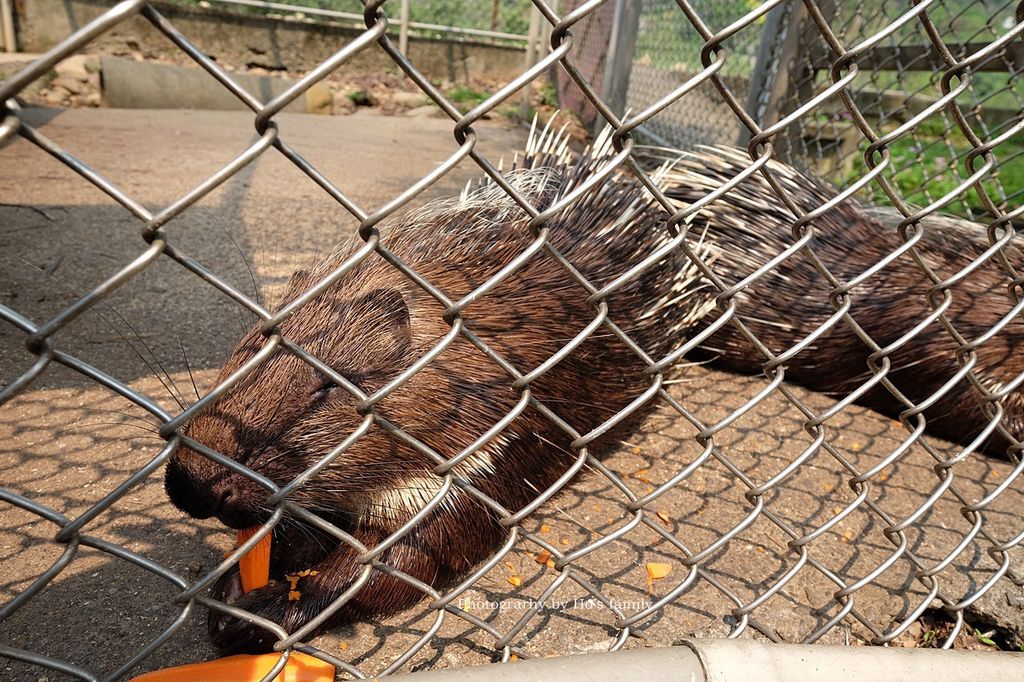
235	636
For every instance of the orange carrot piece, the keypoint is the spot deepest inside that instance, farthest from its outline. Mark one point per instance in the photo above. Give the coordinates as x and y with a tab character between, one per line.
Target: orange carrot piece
245	668
254	565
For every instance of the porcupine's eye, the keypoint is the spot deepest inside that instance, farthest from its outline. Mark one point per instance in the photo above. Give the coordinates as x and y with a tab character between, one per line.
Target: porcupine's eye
323	387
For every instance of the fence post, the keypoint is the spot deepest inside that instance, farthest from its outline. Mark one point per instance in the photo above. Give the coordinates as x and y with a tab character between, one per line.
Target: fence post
403	29
7	22
619	62
532	52
778	72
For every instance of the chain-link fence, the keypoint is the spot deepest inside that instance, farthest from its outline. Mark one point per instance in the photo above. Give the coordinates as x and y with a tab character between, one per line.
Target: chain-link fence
742	505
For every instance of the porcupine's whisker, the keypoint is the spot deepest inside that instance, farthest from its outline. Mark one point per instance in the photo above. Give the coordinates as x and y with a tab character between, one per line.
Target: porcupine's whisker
165	380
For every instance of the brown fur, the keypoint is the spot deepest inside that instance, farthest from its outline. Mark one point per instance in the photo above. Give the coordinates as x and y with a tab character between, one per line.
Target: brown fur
791	301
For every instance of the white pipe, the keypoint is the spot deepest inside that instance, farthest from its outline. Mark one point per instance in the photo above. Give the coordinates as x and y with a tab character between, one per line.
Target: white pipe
735	660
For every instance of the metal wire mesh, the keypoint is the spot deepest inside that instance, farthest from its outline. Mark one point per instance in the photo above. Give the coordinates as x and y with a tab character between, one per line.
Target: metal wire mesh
902	79
777	512
668	52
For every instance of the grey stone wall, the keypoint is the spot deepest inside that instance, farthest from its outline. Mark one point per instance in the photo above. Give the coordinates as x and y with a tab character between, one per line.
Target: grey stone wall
242	41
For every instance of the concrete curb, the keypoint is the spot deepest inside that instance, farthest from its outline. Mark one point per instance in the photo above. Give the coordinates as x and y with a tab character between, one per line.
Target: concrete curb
128	84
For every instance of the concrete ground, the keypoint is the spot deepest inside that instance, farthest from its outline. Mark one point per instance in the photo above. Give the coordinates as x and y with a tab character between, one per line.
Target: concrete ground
66	442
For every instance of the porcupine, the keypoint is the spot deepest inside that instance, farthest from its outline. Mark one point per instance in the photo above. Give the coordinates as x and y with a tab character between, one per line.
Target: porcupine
374	322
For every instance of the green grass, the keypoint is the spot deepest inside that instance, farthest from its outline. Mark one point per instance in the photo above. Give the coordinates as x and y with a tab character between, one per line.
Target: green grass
932	162
465	97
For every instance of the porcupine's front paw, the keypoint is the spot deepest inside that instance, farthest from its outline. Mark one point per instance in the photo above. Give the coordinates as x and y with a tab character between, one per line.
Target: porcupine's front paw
235	636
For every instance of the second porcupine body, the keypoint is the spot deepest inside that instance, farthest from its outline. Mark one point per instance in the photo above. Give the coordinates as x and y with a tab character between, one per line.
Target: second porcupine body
375	322
749	226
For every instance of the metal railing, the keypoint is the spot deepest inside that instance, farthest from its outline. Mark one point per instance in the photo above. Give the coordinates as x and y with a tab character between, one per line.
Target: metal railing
430	18
814	519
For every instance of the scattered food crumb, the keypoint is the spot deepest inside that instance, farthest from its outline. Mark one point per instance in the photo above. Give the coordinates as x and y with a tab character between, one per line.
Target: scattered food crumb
293	595
656	571
544	528
664	517
515	580
543	557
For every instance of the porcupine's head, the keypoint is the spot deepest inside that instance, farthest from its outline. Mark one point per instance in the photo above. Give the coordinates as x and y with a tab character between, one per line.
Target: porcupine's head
286	415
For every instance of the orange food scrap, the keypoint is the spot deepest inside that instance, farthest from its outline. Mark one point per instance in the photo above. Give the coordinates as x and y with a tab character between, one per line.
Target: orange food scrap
254	566
641	475
650	489
657	571
294	595
636	451
550	563
515	580
664	517
543	557
544	528
244	667
343	646
565	541
597	507
510	566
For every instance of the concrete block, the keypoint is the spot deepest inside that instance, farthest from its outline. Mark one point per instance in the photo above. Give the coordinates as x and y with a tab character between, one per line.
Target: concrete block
128	84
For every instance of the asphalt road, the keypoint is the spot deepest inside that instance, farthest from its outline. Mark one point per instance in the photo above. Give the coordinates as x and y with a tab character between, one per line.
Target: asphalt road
67	442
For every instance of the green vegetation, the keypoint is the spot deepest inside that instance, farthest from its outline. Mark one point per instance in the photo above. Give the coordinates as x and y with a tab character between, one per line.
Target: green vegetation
360	98
547	94
465	97
931	162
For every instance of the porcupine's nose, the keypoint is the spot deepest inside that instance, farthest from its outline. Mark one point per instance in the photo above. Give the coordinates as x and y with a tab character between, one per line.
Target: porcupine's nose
187	494
202	493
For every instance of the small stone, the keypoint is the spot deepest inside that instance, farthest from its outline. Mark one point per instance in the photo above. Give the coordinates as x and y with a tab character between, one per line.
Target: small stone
319	100
76	66
341	105
72	85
